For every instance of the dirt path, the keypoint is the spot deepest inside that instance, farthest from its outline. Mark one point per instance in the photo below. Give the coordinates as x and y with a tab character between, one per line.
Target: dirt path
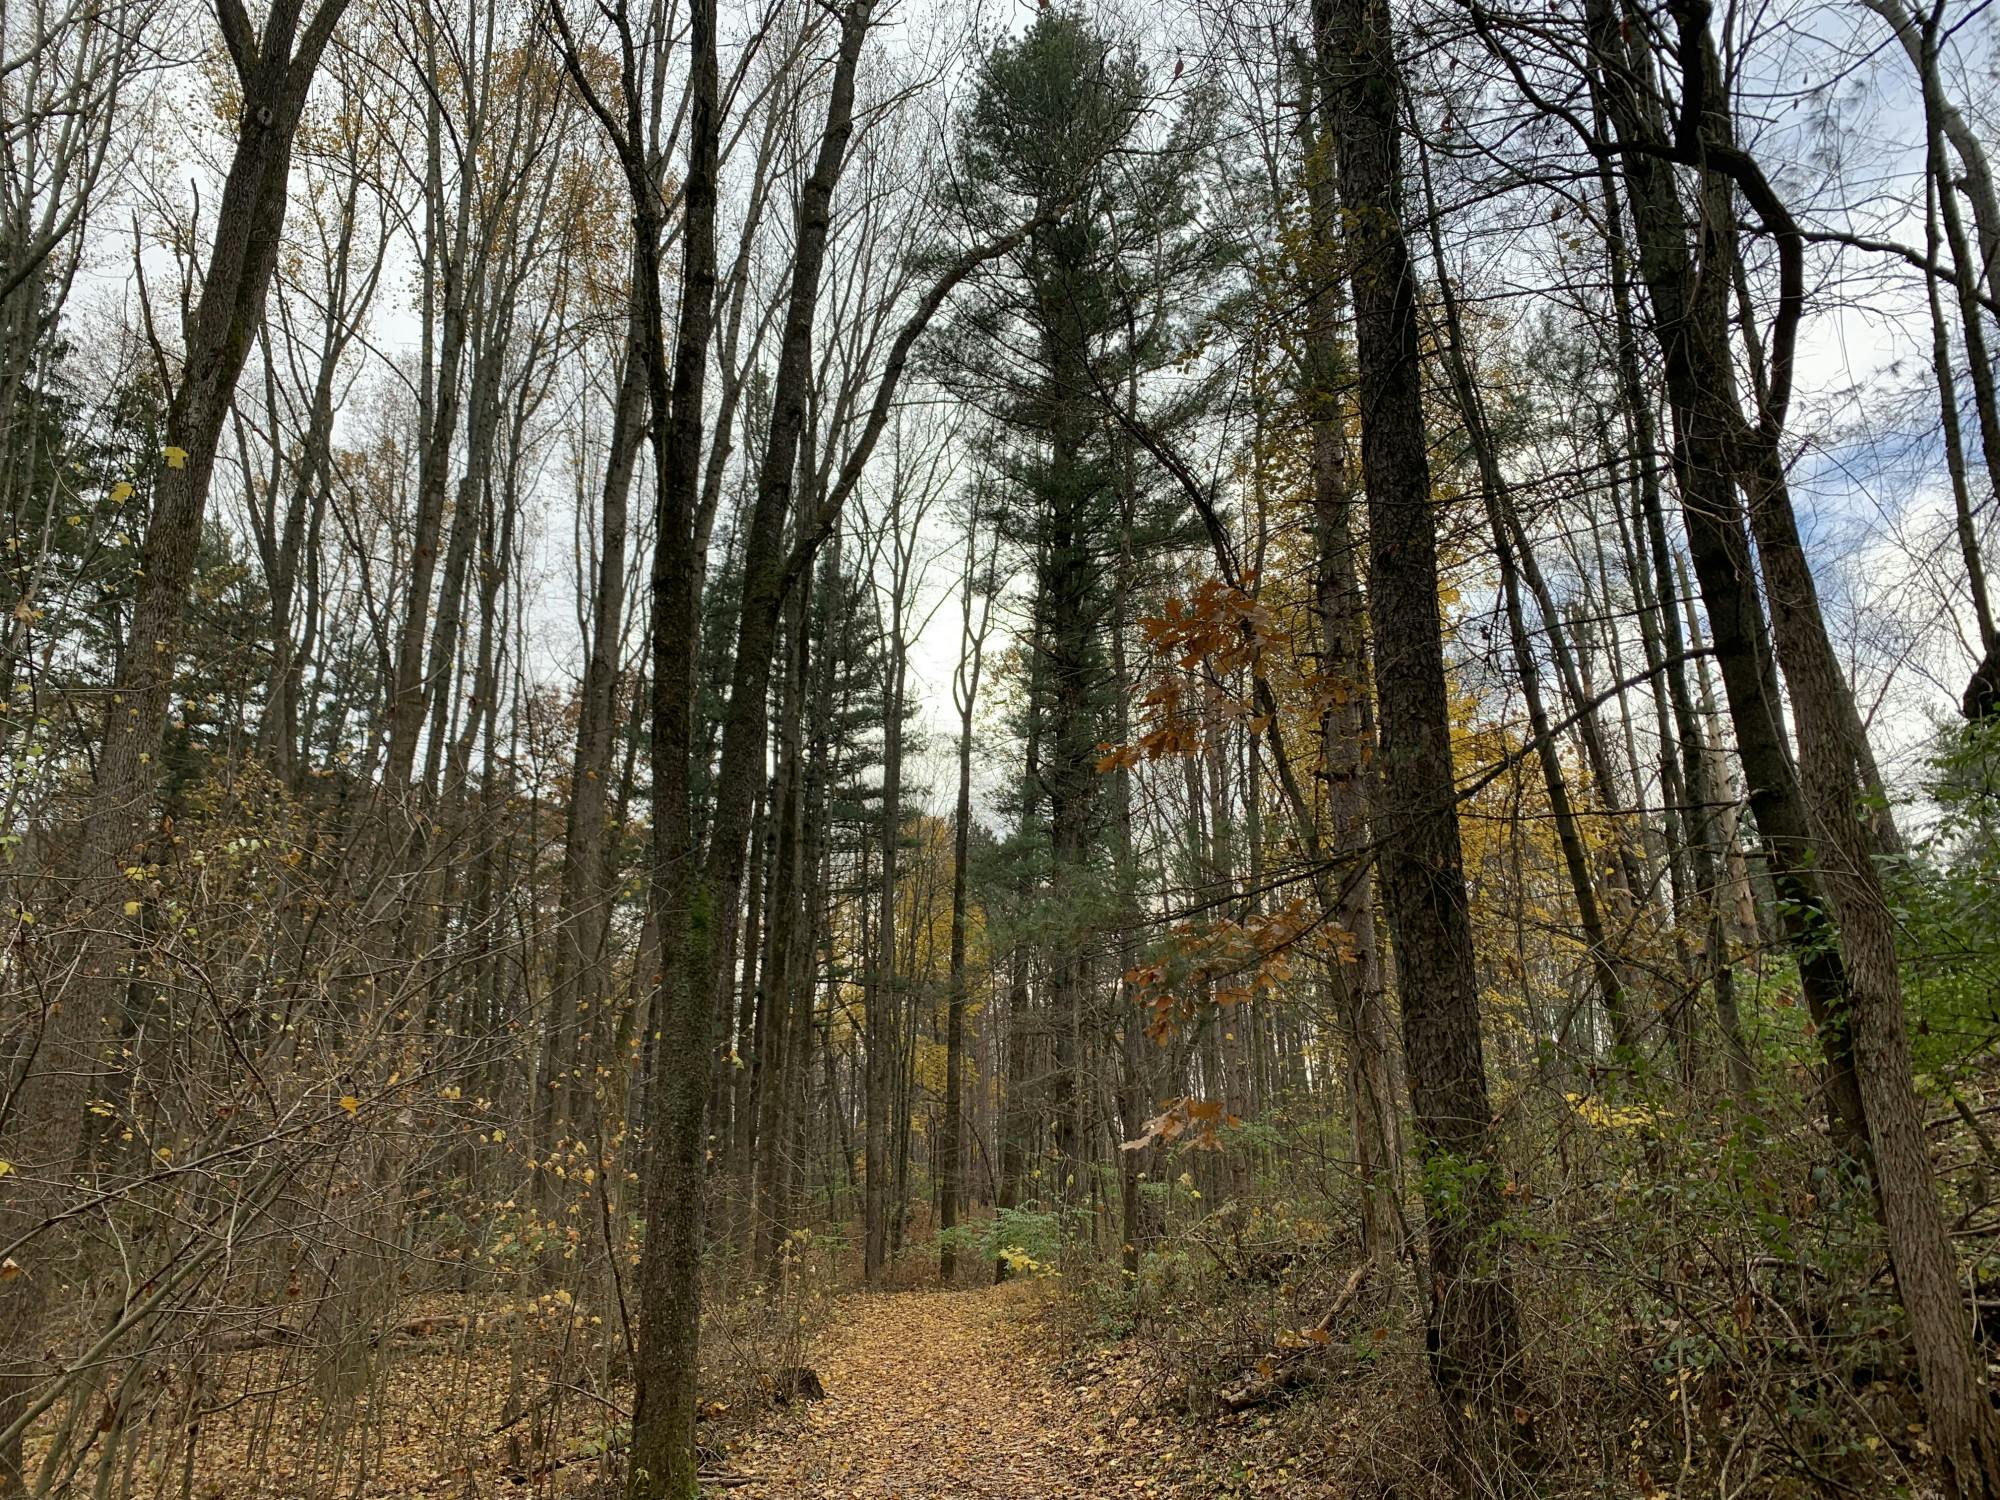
930	1396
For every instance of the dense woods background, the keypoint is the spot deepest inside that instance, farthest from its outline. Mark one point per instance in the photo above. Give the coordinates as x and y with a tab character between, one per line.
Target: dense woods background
1322	671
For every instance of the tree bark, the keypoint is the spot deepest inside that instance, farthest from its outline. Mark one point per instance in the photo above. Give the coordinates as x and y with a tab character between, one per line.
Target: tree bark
965	691
1690	325
43	1128
663	1462
1824	800
1473	1326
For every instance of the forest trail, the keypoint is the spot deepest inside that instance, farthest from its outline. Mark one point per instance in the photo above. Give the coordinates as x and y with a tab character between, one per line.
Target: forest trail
930	1396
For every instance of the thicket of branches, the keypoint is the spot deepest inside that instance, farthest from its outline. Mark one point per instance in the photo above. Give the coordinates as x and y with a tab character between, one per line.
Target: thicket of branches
1326	665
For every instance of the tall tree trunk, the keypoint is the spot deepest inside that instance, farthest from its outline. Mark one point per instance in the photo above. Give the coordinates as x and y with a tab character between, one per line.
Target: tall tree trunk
965	693
1493	494
1347	756
1688	312
43	1128
787	929
588	884
1833	755
883	1017
1709	832
663	1461
446	264
813	936
1474	1333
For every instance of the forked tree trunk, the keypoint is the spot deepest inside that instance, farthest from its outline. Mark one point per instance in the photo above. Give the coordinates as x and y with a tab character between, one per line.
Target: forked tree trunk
663	1462
1688	310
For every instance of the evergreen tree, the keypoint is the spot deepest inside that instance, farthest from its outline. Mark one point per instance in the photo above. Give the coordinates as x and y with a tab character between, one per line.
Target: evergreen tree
1051	343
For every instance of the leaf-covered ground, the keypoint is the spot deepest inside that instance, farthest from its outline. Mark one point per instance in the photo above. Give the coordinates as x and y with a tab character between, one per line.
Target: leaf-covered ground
930	1396
962	1396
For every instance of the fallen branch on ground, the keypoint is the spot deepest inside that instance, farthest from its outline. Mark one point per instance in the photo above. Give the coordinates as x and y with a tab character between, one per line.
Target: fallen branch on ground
1283	1370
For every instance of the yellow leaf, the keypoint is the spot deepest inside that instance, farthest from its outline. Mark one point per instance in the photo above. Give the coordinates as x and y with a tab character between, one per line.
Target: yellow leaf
5	1168
132	908
349	1103
120	492
177	458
